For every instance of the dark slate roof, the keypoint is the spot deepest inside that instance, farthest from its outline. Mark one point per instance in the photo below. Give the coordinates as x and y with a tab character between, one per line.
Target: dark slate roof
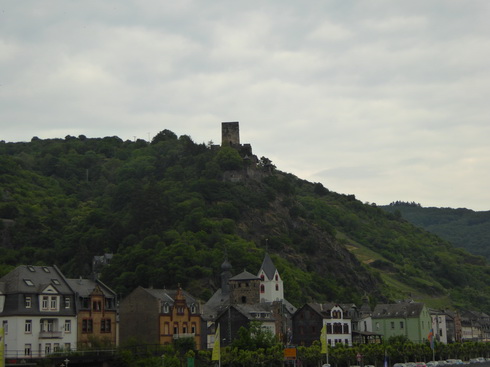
245	275
168	295
215	305
322	308
268	266
85	287
40	276
394	310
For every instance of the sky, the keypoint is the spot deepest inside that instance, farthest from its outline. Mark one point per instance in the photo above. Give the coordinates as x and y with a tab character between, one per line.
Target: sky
384	99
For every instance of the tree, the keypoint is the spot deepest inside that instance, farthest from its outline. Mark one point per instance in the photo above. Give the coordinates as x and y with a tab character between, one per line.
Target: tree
164	135
254	337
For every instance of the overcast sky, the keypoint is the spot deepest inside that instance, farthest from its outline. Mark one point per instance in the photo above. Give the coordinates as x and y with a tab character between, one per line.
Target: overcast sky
387	100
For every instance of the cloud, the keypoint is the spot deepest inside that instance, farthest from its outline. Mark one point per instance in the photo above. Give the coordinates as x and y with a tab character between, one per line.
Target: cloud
381	99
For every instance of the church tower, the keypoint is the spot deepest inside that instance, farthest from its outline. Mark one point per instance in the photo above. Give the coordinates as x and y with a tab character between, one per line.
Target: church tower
271	284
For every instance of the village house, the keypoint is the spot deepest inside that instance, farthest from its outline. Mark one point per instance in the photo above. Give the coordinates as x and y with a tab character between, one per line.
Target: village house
96	307
37	312
159	316
407	318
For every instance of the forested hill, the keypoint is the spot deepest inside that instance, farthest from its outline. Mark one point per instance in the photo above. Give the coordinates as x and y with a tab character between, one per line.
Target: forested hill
462	227
170	212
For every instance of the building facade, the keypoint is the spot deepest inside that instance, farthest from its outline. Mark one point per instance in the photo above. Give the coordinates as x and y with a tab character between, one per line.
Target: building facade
37	311
96	312
158	316
411	319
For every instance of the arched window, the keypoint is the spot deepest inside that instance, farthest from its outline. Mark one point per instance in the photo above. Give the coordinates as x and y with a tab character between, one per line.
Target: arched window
277	287
262	288
277	277
262	277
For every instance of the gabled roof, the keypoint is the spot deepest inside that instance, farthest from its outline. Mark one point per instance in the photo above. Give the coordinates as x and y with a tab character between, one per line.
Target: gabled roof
34	279
215	305
395	310
323	309
85	287
257	311
268	266
245	275
169	295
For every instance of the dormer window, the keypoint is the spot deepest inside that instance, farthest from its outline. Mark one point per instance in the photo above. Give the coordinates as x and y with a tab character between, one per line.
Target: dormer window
193	308
166	308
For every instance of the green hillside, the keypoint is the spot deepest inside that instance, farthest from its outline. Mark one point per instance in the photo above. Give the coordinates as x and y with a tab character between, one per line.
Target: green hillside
169	211
462	227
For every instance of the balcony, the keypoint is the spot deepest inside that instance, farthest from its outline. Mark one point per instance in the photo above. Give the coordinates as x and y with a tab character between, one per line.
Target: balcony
179	336
51	335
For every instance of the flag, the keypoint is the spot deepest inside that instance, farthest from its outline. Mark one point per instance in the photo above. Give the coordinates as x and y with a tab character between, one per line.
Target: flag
323	339
2	347
216	347
431	338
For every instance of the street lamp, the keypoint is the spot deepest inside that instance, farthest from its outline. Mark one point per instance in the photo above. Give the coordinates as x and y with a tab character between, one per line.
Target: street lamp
66	362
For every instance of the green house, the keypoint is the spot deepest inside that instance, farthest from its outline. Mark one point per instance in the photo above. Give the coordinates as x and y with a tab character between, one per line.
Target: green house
410	319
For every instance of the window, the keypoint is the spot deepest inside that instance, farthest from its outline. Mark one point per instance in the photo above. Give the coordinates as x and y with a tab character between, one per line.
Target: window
87	326
193	308
47	348
166	308
56	347
45	302
28	302
54	303
56	281
105	325
67	346
67	326
346	328
377	326
176	329
31	268
85	302
262	277
28	326
193	328
277	287
244	299
46	269
401	325
97	306
392	323
27	349
67	302
29	282
184	328
262	288
5	325
277	277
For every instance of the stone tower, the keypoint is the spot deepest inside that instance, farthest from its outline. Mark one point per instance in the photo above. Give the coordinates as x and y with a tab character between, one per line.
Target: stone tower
244	289
230	133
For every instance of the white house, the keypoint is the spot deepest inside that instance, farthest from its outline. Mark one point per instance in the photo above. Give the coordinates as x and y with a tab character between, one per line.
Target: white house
37	312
